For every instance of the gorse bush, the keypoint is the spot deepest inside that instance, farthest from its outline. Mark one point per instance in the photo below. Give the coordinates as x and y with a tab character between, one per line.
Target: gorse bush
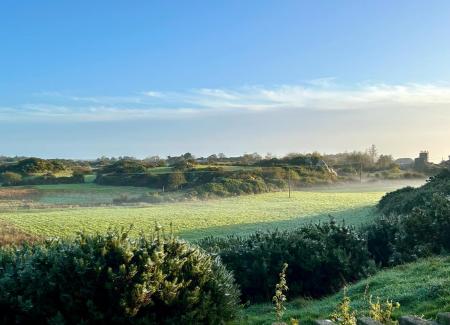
112	279
416	223
321	257
423	232
404	200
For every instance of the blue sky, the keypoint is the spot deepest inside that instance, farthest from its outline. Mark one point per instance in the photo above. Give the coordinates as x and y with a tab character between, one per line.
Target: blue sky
88	78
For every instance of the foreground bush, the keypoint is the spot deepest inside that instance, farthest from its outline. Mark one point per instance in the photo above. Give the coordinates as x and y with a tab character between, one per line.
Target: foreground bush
112	279
423	232
321	257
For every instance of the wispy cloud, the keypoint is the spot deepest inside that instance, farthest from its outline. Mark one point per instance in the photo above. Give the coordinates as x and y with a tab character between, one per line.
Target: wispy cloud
319	94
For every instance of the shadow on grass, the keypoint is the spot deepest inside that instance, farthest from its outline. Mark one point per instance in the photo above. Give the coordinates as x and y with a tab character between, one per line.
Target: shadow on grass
355	216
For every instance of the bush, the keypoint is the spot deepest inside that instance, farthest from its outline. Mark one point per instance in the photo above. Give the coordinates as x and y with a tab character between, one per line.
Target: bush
423	232
10	178
112	279
48	179
321	258
404	200
381	237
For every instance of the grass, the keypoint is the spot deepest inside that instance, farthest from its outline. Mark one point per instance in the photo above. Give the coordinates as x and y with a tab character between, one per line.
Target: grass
421	288
194	220
10	234
73	194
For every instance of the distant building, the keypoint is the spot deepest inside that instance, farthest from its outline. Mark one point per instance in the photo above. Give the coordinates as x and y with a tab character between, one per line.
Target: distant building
405	163
421	163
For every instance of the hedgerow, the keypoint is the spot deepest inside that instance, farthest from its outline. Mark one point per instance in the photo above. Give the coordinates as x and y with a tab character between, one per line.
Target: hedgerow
112	279
322	258
404	200
396	239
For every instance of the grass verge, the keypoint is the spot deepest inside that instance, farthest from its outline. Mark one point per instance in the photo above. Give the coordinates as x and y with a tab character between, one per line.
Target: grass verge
422	288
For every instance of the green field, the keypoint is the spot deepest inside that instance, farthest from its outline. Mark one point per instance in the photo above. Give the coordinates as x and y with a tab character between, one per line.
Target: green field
193	220
61	210
85	194
48	196
421	288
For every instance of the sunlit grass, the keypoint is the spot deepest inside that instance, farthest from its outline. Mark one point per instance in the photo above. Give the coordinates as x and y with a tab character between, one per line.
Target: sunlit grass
193	220
421	288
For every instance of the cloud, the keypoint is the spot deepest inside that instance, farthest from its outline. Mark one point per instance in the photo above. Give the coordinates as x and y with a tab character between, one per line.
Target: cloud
320	94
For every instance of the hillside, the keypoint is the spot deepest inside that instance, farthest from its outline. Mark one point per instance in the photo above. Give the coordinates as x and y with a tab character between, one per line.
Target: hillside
421	288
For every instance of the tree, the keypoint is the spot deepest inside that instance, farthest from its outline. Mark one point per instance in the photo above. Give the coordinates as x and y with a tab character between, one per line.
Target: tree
385	162
10	178
175	180
188	156
212	158
373	153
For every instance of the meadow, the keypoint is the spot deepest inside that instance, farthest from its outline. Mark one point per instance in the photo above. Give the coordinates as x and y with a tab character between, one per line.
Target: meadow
196	219
49	196
62	210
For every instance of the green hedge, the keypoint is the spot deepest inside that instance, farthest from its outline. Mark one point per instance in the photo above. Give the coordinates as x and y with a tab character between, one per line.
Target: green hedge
423	232
404	200
321	257
112	279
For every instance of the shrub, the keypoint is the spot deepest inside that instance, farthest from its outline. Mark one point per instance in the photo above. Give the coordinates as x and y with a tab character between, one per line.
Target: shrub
423	232
382	312
404	200
279	299
10	178
381	238
112	279
49	179
344	314
322	258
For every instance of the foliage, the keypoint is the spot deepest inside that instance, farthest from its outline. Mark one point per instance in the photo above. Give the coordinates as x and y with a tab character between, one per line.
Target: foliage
322	258
204	182
381	236
382	312
34	165
10	178
280	298
422	288
48	179
125	166
112	279
344	314
423	232
176	180
404	200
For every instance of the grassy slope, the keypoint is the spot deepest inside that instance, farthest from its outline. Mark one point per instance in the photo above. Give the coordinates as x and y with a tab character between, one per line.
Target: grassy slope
194	220
421	288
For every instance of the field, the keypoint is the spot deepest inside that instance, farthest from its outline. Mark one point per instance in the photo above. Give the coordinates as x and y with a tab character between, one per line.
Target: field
190	220
48	196
421	288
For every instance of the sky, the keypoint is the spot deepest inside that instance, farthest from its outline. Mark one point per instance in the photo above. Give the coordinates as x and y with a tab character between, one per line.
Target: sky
82	79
